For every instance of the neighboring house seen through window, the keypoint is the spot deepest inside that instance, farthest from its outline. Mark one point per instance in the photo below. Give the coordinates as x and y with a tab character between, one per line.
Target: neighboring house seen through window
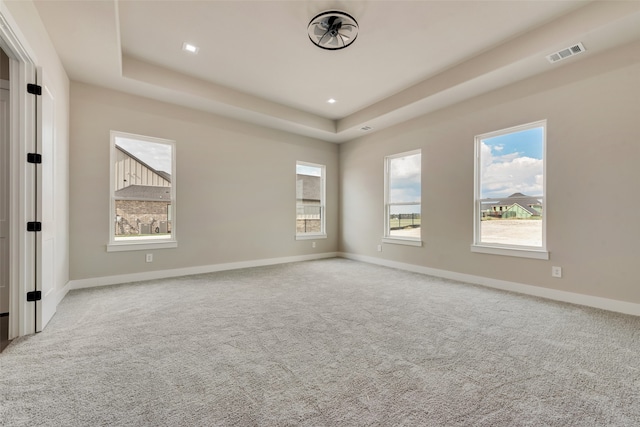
142	192
403	198
509	214
310	200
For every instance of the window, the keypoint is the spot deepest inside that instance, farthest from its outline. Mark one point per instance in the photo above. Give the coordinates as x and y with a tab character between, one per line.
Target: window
310	201
142	208
509	214
403	197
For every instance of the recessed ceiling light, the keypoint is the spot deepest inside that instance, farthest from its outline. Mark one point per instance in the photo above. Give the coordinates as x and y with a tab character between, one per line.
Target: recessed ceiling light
190	48
331	101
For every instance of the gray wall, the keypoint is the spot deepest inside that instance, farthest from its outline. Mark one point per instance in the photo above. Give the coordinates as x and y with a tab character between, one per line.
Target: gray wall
593	173
236	185
243	177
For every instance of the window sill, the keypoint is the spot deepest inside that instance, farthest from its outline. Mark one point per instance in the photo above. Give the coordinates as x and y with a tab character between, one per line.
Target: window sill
401	241
515	252
140	246
310	236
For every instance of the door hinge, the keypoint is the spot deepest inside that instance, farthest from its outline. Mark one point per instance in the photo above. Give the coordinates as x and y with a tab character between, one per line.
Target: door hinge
34	226
34	158
34	296
34	89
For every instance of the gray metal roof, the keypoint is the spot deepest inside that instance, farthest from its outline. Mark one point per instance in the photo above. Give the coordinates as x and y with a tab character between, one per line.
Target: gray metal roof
144	192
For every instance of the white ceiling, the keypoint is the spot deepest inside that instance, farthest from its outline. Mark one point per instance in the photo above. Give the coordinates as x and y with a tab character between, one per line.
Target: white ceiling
257	64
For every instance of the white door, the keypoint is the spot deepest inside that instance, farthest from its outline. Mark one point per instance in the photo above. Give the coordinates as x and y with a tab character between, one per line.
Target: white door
45	202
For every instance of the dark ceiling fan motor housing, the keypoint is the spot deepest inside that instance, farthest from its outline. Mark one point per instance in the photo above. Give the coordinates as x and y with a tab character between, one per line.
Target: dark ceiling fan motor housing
333	30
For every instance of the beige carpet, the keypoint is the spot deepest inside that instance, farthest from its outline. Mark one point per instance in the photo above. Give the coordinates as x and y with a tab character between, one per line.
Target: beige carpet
322	343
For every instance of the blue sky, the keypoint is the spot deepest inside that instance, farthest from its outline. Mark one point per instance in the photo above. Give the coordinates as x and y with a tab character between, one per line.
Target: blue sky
527	143
513	163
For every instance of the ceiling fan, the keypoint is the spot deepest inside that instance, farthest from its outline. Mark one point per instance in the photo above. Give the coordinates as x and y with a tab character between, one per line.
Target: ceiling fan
332	30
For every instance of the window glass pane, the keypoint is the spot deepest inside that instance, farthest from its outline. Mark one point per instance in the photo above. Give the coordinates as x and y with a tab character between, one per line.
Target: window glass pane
308	183
404	196
142	189
404	220
511	188
309	219
309	198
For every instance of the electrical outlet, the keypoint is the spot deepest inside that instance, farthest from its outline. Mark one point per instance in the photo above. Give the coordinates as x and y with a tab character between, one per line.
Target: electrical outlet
379	248
313	244
149	258
556	272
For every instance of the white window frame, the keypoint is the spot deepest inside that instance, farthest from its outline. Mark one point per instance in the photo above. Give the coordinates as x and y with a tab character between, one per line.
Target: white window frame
117	245
387	238
322	234
535	252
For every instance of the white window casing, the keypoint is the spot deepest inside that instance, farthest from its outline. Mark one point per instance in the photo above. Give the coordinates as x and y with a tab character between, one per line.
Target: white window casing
411	235
136	184
310	201
509	243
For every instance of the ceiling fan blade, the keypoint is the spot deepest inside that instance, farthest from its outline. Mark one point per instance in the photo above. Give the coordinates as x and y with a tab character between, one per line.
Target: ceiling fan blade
324	36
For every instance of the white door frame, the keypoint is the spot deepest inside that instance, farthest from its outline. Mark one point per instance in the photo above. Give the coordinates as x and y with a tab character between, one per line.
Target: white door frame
21	178
46	182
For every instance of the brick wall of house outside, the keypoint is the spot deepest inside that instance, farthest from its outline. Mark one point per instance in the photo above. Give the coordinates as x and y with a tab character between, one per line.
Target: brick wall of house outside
134	215
308	226
308	194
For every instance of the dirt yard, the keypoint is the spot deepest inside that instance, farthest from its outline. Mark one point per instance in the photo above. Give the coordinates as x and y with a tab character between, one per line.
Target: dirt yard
507	231
512	231
405	232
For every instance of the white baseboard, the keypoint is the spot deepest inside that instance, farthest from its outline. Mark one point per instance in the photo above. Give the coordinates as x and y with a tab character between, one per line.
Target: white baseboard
159	274
553	294
61	293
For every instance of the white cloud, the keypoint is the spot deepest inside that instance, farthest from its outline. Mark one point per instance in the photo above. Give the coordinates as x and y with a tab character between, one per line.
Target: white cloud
405	176
511	173
406	168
